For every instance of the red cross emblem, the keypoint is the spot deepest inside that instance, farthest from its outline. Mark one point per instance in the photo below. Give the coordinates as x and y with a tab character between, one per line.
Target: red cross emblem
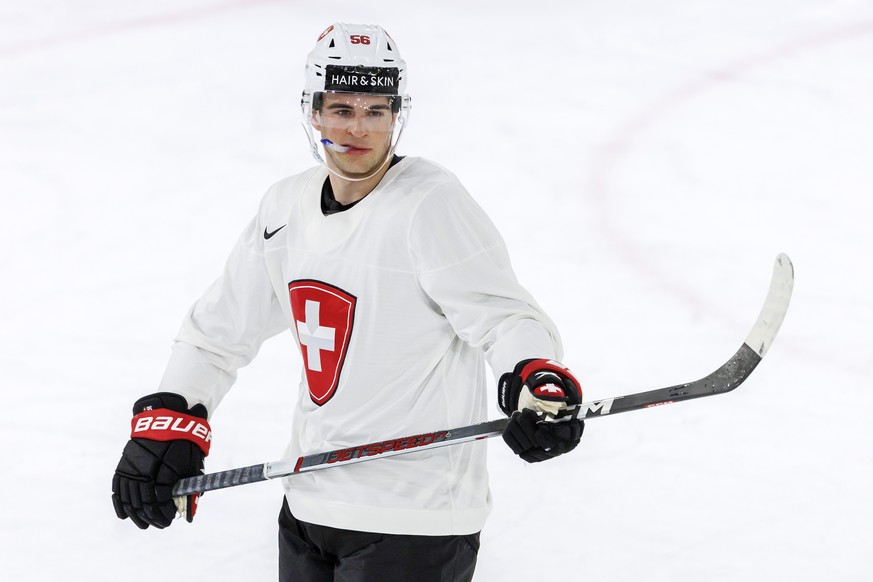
323	316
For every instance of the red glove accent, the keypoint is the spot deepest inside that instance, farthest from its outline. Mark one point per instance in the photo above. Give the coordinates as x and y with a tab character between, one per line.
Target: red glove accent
550	390
547	381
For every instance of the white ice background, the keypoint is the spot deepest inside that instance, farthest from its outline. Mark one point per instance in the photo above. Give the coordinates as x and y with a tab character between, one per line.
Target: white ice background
645	161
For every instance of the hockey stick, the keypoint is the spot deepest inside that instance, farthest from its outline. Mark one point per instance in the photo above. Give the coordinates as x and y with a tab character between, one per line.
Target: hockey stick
726	378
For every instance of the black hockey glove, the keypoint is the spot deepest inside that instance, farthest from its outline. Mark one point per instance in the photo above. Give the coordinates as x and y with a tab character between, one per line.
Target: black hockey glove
534	439
541	397
168	442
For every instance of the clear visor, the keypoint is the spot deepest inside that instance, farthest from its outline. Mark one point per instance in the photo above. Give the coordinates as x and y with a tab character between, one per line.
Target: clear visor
341	121
353	112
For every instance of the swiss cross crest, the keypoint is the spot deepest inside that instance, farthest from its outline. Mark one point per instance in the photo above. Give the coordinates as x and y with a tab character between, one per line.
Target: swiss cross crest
323	318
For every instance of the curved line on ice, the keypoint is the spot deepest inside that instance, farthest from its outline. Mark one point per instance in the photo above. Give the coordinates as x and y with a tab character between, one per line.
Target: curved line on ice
607	157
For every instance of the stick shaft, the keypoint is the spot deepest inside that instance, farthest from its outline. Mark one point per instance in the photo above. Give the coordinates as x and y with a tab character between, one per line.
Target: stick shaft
727	377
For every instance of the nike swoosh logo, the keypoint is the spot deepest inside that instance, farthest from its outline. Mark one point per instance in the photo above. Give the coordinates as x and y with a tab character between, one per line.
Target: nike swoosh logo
269	235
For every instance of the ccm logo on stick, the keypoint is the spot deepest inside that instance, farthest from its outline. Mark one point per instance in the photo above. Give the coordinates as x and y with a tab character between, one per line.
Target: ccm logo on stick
601	406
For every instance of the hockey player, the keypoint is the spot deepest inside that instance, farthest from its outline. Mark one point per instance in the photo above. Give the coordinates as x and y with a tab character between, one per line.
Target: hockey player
398	289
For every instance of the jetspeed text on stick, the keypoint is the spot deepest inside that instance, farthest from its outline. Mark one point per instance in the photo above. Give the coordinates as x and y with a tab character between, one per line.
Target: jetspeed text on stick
374	449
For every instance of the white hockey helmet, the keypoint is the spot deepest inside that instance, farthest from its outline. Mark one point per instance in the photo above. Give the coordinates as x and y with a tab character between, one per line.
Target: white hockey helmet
355	59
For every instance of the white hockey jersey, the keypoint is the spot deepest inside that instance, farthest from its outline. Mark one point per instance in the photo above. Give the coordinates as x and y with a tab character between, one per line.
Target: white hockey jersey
393	302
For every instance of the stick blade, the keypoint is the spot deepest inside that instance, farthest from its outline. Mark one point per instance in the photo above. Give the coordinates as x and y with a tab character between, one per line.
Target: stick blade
775	306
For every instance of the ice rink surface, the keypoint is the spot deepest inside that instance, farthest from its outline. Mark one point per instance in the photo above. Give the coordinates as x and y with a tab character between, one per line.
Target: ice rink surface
645	161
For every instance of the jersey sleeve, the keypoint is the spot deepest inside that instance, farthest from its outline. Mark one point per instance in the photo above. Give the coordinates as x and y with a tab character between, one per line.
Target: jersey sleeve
463	266
225	328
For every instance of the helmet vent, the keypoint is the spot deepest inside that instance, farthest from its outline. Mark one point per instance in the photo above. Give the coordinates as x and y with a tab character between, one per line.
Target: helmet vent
332	44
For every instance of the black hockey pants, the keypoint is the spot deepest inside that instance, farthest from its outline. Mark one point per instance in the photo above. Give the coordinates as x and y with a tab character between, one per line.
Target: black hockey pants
315	553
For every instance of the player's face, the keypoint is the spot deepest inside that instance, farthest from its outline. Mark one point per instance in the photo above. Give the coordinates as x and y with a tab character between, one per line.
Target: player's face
359	124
